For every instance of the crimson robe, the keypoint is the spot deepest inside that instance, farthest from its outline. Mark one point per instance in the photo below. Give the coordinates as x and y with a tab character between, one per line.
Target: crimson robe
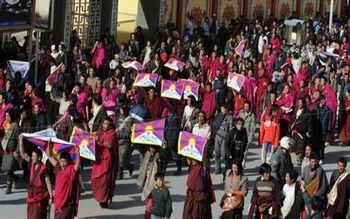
213	66
200	194
38	196
67	192
344	135
302	75
276	43
105	167
260	90
249	87
302	92
82	104
209	103
269	62
155	107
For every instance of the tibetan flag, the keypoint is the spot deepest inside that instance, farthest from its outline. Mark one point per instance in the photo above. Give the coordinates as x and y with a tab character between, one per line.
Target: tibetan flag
190	88
146	80
150	133
41	139
174	64
191	146
134	64
240	47
53	77
171	89
235	81
85	142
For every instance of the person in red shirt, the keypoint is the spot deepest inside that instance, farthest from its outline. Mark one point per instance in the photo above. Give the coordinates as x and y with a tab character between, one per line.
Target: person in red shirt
269	134
67	191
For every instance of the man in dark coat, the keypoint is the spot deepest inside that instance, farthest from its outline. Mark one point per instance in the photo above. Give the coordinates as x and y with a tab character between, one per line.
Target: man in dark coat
281	161
172	129
100	115
236	141
322	122
339	194
301	128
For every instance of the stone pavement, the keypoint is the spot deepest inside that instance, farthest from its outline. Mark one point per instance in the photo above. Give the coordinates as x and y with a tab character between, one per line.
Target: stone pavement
126	204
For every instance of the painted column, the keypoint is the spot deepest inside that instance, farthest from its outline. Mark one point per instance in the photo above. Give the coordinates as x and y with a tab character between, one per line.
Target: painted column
180	4
298	8
321	7
245	8
273	8
214	7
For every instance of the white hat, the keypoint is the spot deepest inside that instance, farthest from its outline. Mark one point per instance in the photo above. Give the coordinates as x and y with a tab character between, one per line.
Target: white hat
286	142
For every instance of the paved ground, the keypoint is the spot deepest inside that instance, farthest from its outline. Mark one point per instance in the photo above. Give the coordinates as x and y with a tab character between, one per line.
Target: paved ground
127	202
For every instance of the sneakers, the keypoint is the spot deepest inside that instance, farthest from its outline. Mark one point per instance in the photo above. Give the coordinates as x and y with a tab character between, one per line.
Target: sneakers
321	162
104	204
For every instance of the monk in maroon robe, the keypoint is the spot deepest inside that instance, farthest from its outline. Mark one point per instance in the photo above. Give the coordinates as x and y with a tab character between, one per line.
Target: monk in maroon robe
40	193
154	104
209	102
105	167
67	190
200	194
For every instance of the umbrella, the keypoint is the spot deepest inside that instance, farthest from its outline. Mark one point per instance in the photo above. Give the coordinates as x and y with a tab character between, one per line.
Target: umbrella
150	133
171	89
174	64
133	64
191	145
146	80
235	81
86	143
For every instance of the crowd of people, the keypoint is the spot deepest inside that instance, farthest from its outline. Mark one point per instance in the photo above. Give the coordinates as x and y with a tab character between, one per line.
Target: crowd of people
296	95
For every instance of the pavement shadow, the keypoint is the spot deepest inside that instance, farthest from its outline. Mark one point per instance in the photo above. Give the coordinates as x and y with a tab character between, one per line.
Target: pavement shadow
178	198
126	189
139	216
115	205
13	202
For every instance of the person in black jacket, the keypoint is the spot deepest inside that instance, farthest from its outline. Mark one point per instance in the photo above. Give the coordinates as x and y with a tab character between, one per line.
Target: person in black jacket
322	121
40	117
301	128
236	141
161	198
172	129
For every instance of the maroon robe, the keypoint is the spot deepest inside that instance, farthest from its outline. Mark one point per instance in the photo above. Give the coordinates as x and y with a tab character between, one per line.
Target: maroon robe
209	104
105	167
344	135
155	107
67	192
38	196
200	194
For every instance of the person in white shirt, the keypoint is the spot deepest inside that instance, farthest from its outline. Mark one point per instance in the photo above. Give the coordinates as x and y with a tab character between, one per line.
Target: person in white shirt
202	129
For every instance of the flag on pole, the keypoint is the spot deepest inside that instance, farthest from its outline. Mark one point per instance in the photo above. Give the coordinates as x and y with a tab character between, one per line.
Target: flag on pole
191	145
146	80
235	81
133	64
150	133
85	142
171	89
190	88
174	64
53	77
240	47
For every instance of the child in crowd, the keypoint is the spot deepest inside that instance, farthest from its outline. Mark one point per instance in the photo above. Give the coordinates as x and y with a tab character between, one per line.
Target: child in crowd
160	195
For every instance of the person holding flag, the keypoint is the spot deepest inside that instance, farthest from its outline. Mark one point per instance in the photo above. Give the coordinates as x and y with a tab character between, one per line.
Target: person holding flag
105	167
67	183
40	194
